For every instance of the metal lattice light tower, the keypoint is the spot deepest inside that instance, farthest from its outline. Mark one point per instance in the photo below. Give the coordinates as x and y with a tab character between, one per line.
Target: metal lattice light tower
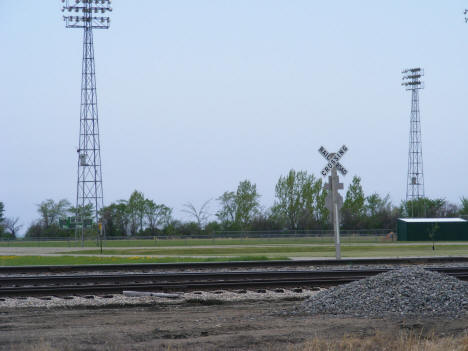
88	15
415	180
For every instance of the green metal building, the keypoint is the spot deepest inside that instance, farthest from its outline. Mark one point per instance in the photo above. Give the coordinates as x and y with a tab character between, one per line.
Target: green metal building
420	229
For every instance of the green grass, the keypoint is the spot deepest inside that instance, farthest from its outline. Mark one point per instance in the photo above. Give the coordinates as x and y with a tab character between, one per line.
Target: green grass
296	251
80	260
191	242
234	253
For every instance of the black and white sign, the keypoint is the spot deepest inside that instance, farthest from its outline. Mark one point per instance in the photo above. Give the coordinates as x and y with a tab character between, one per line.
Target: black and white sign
333	160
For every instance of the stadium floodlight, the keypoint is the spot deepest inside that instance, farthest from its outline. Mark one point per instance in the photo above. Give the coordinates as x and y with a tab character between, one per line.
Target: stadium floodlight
412	78
86	8
415	177
89	190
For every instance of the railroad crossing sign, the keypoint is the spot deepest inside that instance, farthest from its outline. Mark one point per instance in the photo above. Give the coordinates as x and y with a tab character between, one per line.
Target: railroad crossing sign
333	185
333	160
334	201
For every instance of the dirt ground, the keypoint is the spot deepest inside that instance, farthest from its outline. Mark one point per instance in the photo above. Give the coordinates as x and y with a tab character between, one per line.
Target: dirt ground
229	326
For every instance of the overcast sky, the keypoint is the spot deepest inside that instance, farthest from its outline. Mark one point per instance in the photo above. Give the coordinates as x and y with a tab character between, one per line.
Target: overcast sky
196	96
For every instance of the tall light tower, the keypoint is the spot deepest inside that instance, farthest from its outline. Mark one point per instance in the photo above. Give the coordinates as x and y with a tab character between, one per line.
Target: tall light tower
415	179
88	15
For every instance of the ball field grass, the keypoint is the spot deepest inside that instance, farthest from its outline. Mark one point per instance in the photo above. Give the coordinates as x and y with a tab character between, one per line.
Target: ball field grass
192	242
396	250
208	250
84	260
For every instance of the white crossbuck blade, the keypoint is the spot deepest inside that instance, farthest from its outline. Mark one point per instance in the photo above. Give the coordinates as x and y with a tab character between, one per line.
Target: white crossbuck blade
333	160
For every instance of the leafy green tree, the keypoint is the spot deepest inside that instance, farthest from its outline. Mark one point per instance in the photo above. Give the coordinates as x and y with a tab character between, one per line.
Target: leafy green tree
266	221
355	198
156	215
379	212
2	218
451	210
321	212
247	204
136	212
2	211
48	226
314	214
376	204
240	207
464	206
186	228
435	208
86	212
137	216
353	209
289	203
115	218
213	227
300	199
227	212
52	211
172	228
424	208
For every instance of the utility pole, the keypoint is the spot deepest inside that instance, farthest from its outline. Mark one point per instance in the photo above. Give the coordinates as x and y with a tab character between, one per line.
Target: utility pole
415	177
84	14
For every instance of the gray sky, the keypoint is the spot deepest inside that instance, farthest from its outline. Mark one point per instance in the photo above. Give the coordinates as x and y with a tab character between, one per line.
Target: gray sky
195	96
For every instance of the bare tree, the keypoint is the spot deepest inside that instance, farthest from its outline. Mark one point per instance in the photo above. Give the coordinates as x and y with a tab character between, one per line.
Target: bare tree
12	226
200	215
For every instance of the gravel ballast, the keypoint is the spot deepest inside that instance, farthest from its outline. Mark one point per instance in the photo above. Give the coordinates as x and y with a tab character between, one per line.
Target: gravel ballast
407	291
210	297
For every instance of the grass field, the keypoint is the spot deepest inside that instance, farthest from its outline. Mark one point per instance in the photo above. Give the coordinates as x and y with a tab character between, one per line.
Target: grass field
80	260
194	242
204	250
296	251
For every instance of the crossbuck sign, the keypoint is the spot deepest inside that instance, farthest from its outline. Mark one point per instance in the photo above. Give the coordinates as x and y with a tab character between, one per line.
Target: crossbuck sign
334	201
333	160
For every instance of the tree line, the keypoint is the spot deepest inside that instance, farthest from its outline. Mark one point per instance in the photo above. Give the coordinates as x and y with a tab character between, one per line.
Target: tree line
299	205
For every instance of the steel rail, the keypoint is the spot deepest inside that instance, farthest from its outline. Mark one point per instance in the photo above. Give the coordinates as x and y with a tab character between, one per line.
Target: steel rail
20	285
226	265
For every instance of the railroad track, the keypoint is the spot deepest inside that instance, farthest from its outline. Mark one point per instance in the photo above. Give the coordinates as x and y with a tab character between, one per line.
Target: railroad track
224	265
163	282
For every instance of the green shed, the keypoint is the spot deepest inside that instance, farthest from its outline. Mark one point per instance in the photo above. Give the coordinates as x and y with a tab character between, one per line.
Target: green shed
420	229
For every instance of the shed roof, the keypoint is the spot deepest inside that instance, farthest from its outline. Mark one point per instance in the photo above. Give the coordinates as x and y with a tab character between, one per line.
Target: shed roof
431	220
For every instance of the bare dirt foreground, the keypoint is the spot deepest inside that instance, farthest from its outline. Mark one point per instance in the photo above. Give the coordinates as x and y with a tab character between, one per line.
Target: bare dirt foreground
258	325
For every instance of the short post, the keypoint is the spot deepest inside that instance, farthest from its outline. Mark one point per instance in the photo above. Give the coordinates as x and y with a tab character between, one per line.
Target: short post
100	235
336	225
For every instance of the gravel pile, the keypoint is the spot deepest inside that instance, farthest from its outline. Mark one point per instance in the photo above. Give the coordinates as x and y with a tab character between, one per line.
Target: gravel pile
407	291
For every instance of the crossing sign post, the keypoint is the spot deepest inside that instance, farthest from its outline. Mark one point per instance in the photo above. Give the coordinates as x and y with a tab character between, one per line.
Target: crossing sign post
334	201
